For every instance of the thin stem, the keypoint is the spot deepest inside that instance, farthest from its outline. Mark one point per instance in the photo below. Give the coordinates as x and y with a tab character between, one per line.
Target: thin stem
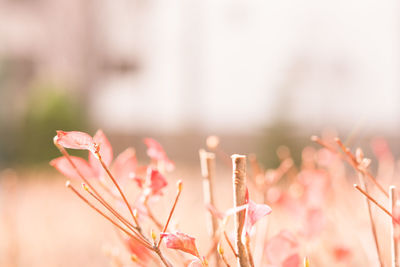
146	244
171	212
67	156
376	203
239	199
116	214
119	189
371	219
151	215
162	258
207	162
393	227
221	254
354	163
230	245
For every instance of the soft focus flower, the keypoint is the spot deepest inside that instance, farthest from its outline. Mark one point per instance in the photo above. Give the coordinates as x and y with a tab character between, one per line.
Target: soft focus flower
181	241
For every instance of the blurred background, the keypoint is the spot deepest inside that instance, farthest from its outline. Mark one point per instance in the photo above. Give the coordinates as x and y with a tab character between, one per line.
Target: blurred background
258	74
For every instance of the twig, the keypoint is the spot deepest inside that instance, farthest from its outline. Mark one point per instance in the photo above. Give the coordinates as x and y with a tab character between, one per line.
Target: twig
248	250
376	203
121	218
146	244
371	219
151	215
230	245
353	161
221	254
239	199
171	212
207	162
393	226
119	189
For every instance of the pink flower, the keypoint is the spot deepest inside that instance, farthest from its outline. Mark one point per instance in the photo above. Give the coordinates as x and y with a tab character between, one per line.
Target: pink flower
282	250
75	140
156	152
255	212
124	166
182	242
155	182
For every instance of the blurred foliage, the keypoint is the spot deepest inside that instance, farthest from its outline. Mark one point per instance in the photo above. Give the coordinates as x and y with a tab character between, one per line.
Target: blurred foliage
281	133
47	109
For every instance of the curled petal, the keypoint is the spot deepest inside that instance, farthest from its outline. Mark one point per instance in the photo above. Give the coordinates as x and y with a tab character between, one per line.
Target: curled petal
64	166
254	213
75	140
181	241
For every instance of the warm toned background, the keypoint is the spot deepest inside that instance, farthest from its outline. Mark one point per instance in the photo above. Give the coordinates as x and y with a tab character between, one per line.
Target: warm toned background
257	73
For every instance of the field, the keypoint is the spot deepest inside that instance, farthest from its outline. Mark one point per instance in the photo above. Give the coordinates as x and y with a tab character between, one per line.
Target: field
44	224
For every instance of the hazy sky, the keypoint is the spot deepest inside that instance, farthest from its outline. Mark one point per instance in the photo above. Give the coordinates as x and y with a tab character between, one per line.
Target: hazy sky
236	65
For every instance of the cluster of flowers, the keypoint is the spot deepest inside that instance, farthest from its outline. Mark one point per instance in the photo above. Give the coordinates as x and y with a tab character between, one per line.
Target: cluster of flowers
308	191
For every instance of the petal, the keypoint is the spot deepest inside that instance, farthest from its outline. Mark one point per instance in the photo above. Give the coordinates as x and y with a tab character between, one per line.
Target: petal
181	241
154	149
64	166
155	182
254	213
125	164
75	140
105	151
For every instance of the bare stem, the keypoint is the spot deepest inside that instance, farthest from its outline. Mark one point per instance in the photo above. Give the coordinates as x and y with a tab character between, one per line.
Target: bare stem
119	189
248	250
207	162
393	227
146	244
161	256
353	161
151	215
171	212
221	254
239	199
115	213
67	156
230	245
371	219
376	203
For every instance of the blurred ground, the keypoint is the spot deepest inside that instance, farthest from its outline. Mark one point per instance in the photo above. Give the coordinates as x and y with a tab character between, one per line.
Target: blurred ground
43	224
